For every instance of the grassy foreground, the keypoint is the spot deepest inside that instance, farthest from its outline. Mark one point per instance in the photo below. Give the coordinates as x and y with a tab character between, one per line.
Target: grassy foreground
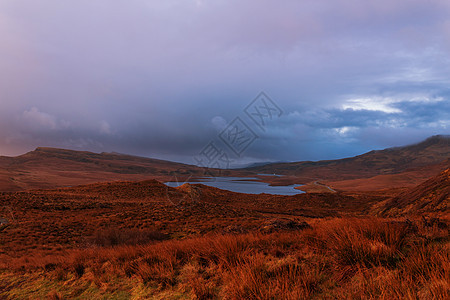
337	258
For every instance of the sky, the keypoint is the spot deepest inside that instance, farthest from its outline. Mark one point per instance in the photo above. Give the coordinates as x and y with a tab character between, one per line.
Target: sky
168	78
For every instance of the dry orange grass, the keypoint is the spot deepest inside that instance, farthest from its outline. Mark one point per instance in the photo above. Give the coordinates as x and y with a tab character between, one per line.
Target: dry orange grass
338	258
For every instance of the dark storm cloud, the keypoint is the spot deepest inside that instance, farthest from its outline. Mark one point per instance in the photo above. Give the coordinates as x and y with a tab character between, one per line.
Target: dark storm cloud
161	78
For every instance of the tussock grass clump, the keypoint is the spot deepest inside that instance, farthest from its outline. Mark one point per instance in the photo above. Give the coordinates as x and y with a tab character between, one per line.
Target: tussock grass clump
367	242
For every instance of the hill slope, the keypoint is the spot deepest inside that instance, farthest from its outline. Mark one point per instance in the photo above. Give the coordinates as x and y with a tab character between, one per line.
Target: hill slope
432	196
396	160
50	167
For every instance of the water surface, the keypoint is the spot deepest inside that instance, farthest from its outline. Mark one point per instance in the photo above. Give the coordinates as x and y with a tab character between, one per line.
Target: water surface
248	185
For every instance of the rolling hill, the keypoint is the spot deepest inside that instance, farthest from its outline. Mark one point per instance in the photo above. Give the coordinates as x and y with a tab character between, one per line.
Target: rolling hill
51	167
381	169
390	168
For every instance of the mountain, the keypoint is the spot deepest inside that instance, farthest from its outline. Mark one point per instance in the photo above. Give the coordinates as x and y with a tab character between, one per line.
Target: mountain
432	196
431	152
375	170
51	167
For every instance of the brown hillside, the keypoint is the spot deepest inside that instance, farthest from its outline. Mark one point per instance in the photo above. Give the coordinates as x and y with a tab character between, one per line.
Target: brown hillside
128	240
392	168
432	151
432	196
390	182
50	168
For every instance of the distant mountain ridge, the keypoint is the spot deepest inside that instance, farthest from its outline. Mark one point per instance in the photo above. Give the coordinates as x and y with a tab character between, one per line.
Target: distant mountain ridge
432	151
50	167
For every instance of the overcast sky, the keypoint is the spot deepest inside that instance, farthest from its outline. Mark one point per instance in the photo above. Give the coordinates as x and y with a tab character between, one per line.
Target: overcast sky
164	78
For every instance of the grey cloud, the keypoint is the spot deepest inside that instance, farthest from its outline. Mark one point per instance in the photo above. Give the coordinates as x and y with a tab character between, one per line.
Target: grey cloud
152	77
